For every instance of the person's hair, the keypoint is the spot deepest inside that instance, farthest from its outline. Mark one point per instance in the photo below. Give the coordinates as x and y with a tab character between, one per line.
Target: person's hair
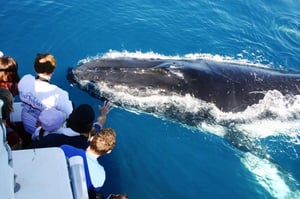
8	70
118	196
7	98
104	141
81	119
44	63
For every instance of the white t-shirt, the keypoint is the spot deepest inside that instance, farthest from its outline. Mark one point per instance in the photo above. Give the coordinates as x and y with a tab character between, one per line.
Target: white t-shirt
38	95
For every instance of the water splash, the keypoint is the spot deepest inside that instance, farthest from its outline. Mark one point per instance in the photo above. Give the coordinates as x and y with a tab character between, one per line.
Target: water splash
277	182
113	54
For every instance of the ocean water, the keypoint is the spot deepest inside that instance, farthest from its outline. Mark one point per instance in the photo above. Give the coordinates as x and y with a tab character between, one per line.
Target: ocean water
156	157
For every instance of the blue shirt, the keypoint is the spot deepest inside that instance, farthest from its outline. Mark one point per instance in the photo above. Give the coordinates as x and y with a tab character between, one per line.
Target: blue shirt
94	172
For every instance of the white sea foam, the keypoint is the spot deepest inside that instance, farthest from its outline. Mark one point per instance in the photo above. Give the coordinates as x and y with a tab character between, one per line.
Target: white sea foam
275	114
279	184
114	54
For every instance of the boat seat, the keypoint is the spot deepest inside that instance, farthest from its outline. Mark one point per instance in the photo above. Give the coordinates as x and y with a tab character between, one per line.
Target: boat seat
39	173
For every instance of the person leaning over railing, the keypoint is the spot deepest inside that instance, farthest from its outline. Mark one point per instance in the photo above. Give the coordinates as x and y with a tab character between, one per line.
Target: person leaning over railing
101	143
78	130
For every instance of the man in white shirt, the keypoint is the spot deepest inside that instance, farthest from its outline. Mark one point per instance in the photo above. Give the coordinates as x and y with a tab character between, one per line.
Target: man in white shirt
37	93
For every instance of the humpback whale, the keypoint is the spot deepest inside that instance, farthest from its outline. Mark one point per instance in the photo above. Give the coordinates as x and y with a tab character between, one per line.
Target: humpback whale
196	92
205	94
229	86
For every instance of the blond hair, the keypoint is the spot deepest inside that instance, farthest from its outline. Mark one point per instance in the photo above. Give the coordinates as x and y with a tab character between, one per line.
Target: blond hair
104	141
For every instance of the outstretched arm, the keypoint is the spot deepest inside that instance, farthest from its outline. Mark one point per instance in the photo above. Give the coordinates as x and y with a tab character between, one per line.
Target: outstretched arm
104	110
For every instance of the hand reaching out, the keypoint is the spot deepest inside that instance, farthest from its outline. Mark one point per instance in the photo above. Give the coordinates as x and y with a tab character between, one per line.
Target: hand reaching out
104	110
107	106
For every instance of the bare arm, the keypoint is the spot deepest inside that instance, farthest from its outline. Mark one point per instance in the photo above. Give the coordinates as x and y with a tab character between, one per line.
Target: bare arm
104	110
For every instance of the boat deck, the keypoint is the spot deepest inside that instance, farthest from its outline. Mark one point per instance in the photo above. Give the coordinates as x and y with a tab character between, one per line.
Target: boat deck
42	173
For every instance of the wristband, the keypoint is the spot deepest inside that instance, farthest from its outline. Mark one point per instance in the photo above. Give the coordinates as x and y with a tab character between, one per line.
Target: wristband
97	126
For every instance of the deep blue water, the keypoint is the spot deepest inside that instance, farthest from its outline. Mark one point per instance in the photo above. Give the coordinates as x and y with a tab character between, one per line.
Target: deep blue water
154	157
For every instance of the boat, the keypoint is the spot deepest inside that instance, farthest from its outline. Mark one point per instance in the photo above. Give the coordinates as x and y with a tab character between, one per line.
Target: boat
38	173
